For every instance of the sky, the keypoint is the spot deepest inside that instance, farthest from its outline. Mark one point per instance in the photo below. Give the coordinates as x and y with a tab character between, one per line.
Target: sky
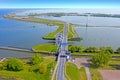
59	3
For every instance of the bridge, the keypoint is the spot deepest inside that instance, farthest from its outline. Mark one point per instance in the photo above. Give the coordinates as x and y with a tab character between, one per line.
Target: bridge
62	42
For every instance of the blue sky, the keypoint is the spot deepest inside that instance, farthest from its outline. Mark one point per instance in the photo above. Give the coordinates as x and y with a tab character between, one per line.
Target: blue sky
59	3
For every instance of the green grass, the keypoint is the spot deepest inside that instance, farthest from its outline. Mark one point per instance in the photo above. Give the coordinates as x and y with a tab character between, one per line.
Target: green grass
114	64
74	73
82	73
52	35
71	32
28	74
95	74
45	48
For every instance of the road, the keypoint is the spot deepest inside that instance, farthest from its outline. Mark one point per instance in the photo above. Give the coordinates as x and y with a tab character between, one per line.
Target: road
62	59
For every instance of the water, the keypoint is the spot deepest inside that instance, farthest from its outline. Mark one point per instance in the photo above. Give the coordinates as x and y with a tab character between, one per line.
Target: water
92	21
99	37
104	32
26	34
6	11
21	34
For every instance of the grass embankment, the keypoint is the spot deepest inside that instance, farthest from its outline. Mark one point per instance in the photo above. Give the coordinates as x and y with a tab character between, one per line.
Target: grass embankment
74	73
114	64
72	33
95	74
45	48
30	71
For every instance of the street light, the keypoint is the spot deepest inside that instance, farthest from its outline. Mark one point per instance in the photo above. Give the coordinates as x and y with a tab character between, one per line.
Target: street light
87	20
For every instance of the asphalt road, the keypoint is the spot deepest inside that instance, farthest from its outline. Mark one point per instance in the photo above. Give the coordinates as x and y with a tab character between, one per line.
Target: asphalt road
62	59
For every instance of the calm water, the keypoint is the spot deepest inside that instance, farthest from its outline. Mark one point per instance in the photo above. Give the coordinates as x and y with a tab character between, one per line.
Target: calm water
99	37
104	35
21	34
26	34
92	21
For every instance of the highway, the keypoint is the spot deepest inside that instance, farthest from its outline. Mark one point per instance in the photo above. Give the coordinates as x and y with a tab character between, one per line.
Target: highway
61	56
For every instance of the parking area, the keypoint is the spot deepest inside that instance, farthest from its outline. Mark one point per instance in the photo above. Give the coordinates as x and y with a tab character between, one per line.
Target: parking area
80	62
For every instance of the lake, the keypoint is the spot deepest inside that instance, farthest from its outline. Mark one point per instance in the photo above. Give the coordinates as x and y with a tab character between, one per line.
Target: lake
27	34
104	32
21	34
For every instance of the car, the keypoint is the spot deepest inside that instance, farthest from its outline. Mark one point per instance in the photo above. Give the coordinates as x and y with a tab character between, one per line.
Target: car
62	55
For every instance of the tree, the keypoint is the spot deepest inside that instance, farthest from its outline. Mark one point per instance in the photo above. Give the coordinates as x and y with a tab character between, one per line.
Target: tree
101	59
76	48
92	50
81	49
36	59
43	68
118	50
14	64
109	49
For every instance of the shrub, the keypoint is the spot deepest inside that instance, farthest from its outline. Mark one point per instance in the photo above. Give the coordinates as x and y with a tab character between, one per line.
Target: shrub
36	59
118	50
75	48
43	68
91	50
1	67
14	64
101	59
109	49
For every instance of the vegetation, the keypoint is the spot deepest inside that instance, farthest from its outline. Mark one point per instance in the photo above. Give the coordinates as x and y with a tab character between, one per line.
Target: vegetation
82	74
108	49
76	48
45	48
101	59
36	59
114	64
42	68
80	49
52	35
74	73
71	32
118	50
95	74
14	64
30	71
91	50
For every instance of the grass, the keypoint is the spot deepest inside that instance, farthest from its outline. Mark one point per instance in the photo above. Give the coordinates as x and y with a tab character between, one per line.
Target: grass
95	74
74	73
114	64
45	48
71	32
82	73
27	74
52	35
